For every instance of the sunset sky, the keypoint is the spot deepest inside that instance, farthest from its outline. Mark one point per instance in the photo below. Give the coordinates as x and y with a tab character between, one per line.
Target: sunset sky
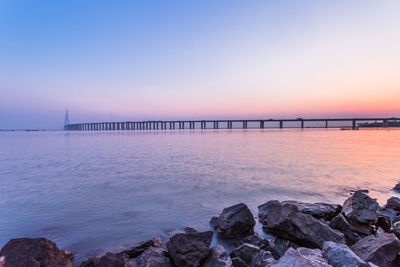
135	60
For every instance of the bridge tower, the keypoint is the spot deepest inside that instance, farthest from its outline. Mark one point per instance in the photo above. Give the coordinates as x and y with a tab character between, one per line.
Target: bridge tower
66	119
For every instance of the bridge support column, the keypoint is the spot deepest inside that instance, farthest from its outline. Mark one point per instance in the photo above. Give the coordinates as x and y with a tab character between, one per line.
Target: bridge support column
281	124
354	124
326	124
261	124
302	124
385	123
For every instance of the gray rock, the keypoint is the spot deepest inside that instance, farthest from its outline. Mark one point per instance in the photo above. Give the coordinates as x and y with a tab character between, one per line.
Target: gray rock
396	229
382	250
264	258
264	209
341	224
250	255
397	187
152	257
278	246
22	252
189	249
214	222
107	260
341	255
393	203
218	258
317	210
302	257
361	208
141	247
236	221
287	222
256	240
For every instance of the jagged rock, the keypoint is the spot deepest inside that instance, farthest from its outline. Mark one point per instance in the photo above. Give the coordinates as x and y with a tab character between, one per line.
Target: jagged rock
384	223
2	261
382	250
152	257
397	187
141	247
189	249
218	258
302	257
287	222
392	215
278	246
107	260
396	229
341	224
393	203
250	255
190	230
317	210
264	209
21	252
361	208
256	240
341	255
214	222
236	221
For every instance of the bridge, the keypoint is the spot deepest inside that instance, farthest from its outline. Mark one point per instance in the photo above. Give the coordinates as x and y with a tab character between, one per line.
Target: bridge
350	123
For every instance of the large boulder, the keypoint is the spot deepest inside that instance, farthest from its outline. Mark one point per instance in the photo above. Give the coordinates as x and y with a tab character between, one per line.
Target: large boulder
317	210
341	224
152	257
288	222
339	255
250	255
382	250
236	221
393	203
21	252
361	208
141	247
218	258
189	249
278	246
397	187
302	257
107	260
265	208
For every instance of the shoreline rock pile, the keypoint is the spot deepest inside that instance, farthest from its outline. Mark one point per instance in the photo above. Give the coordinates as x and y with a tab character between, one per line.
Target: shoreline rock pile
360	233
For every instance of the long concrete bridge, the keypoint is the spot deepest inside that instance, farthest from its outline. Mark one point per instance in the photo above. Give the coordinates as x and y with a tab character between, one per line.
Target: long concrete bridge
351	123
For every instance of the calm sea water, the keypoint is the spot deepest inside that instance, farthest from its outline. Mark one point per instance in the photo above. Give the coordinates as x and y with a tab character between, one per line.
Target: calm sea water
94	191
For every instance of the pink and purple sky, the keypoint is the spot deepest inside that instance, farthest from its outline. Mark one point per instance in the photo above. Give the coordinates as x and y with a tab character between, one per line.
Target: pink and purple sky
135	60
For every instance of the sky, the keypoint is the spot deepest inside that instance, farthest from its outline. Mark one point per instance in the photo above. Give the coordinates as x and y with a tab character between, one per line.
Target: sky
152	60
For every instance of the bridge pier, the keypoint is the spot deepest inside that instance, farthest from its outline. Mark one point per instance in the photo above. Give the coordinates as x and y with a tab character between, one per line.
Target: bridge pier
280	124
326	124
354	124
261	124
302	124
244	125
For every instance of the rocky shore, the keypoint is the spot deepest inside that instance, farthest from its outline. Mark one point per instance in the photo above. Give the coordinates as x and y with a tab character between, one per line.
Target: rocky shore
357	233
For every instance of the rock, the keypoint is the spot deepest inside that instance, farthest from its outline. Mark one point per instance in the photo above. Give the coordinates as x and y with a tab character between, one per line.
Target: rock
218	258
256	240
317	210
214	222
397	187
392	215
107	260
250	255
190	230
341	224
264	209
189	249
361	208
34	252
2	261
141	247
236	221
341	255
278	246
384	223
393	203
396	229
382	250
152	257
287	222
302	257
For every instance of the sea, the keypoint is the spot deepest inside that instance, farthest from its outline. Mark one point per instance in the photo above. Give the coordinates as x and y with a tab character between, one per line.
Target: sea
92	192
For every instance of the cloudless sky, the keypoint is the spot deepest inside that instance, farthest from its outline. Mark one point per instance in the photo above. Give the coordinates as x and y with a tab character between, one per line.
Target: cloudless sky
135	60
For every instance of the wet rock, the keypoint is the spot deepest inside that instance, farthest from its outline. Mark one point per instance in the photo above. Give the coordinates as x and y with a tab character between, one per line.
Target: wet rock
107	260
287	222
278	246
341	224
341	255
393	203
317	210
236	221
384	223
391	214
214	222
361	208
141	247
397	187
396	229
382	250
218	258
21	252
302	257
152	257
189	249
190	230
256	240
2	261
250	255
264	209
